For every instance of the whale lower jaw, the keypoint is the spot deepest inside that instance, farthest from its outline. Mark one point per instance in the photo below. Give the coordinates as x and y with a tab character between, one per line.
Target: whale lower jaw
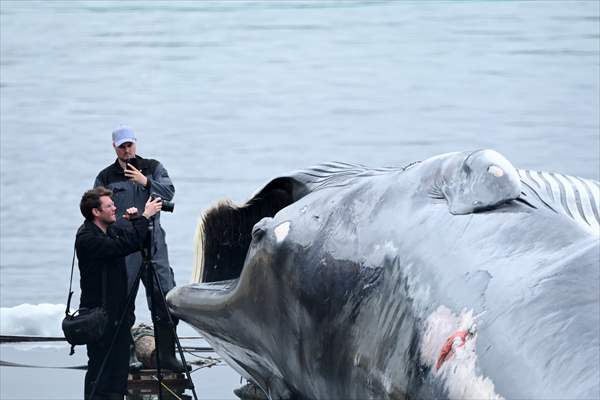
195	299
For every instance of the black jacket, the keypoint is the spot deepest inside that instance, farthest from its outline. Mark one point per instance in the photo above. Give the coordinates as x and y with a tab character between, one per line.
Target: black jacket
97	251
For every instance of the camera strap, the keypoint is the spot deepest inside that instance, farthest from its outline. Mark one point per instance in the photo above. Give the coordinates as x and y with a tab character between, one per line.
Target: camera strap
68	309
104	287
104	292
70	285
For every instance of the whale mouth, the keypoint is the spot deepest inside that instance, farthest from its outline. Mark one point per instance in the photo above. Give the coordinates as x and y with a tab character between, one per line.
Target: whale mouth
185	301
224	233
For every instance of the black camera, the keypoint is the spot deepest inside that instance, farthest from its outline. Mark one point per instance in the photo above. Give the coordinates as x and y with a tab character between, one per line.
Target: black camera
167	206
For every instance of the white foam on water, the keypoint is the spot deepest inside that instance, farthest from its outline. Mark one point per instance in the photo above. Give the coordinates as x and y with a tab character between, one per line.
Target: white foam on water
32	319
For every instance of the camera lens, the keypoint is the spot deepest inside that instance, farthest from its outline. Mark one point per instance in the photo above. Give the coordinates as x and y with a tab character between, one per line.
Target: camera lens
167	206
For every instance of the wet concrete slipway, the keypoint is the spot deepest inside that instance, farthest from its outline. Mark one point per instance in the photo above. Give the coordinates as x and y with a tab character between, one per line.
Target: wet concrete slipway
230	94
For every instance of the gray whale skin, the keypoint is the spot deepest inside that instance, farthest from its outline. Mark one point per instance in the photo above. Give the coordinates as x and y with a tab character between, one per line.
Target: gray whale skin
344	282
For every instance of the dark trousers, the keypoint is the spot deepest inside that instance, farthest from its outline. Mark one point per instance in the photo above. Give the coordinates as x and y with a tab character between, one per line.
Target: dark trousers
165	276
116	369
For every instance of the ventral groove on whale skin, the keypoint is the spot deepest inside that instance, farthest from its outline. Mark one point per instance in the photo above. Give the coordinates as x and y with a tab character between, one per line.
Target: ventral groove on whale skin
459	276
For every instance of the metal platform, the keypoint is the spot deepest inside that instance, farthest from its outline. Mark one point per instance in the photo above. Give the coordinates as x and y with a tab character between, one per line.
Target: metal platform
143	385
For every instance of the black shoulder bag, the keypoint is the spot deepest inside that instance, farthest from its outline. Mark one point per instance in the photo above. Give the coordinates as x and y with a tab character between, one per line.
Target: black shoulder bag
86	325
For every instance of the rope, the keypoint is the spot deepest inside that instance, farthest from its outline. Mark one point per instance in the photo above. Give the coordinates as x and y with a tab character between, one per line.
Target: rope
27	338
168	389
205	362
17	339
198	349
12	364
209	364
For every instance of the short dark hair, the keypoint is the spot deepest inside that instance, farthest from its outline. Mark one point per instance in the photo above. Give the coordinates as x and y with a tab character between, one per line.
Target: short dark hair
91	200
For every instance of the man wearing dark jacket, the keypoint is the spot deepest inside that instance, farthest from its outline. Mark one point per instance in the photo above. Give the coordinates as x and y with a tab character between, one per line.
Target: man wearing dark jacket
101	249
133	179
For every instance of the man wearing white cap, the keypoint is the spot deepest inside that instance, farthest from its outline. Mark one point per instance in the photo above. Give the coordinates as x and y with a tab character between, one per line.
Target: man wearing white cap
132	179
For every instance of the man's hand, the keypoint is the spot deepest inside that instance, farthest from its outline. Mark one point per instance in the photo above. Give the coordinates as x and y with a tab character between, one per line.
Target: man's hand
152	207
135	175
130	213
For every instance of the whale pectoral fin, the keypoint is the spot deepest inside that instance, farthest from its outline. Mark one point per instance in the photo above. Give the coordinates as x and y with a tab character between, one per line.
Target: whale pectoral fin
483	181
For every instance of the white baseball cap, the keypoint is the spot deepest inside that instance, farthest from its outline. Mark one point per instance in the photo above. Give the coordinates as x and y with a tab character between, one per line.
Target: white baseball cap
122	135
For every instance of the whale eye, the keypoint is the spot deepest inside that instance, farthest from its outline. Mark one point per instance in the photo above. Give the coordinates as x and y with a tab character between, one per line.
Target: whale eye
258	232
496	171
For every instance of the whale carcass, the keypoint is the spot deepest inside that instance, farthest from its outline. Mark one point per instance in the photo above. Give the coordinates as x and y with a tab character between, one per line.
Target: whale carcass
455	277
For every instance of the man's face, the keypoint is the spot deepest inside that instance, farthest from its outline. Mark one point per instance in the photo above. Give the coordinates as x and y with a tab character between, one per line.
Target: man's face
125	151
107	211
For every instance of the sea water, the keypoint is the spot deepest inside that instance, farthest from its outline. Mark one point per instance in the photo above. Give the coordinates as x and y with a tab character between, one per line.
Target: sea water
228	95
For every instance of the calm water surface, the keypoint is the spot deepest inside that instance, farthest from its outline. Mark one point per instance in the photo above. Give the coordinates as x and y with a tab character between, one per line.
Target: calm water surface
230	94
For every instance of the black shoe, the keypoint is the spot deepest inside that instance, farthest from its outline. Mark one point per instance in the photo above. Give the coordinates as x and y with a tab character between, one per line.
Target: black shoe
250	391
166	350
134	364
